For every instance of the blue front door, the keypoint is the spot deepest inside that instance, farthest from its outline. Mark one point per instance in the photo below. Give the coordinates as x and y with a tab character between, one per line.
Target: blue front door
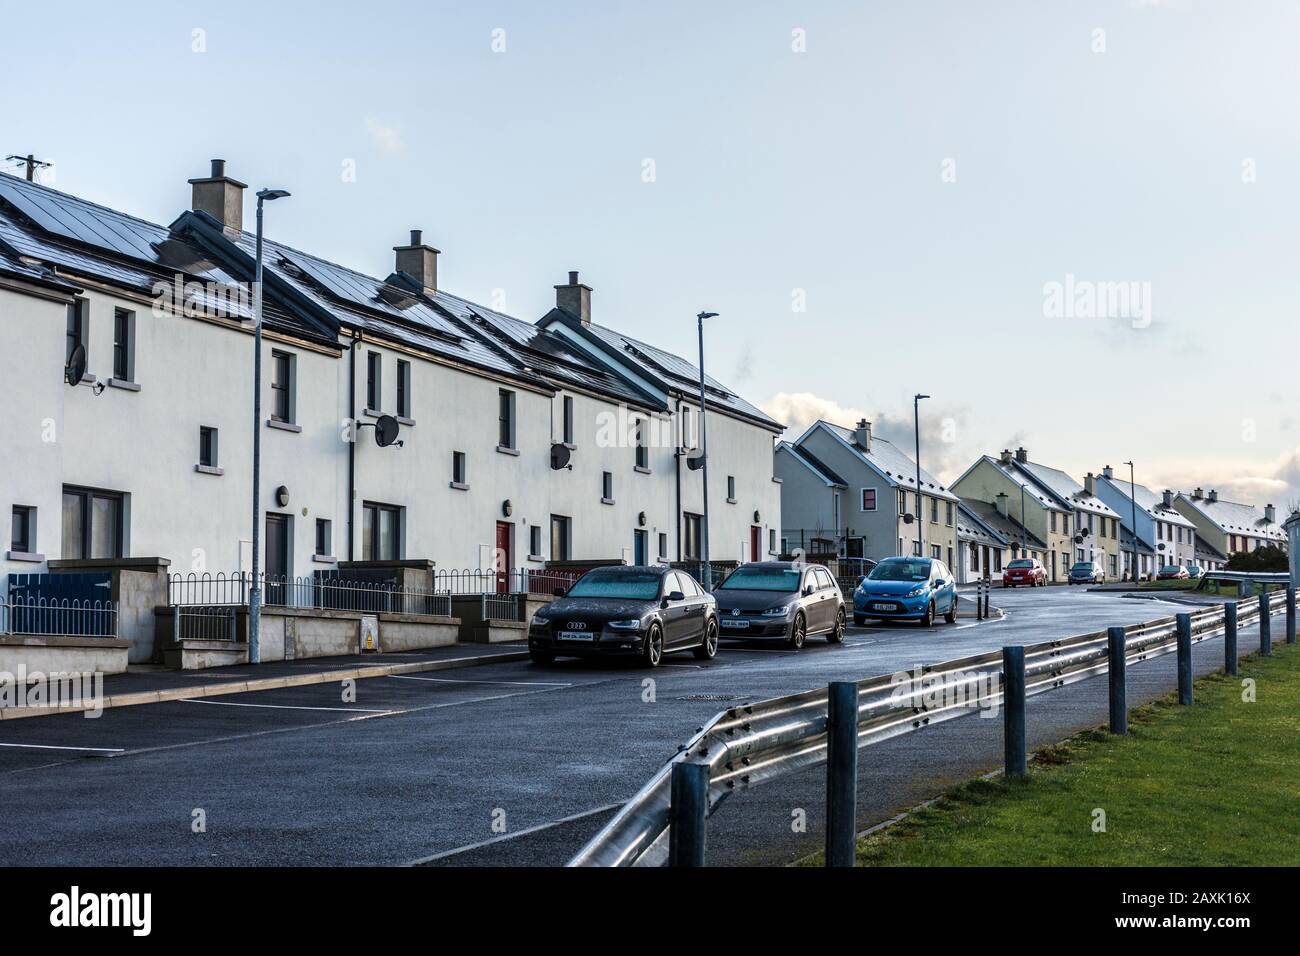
638	547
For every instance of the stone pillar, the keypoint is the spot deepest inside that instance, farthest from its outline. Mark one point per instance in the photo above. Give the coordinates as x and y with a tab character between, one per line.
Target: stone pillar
138	586
1292	528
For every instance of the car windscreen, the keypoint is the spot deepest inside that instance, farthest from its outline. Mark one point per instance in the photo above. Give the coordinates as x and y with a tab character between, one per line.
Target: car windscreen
627	587
1021	564
1084	566
762	579
1170	567
900	571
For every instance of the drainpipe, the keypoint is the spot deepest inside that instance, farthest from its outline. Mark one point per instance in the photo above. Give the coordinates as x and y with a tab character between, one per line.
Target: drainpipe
678	461
352	445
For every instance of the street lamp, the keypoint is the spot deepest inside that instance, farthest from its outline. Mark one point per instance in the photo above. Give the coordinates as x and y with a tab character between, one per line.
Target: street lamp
920	533
704	455
255	592
1132	497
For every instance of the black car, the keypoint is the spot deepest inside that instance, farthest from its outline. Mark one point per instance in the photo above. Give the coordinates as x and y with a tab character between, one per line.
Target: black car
642	612
780	600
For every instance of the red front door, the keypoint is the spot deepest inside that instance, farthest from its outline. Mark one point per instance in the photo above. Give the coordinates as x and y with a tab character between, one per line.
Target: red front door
754	532
504	557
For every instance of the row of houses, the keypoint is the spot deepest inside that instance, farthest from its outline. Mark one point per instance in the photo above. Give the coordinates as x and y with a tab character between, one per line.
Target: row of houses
520	444
848	493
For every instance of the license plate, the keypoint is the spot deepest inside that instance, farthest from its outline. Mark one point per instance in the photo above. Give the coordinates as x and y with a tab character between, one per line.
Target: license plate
738	624
884	606
576	636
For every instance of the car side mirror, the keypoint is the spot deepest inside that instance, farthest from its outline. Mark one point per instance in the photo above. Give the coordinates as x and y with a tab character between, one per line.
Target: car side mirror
676	596
559	592
861	578
808	590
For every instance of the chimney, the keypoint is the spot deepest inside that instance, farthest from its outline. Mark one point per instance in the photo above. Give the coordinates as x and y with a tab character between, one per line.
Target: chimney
1198	494
575	298
220	197
1169	498
1090	485
1108	472
1021	454
1002	504
862	434
1006	456
1212	497
1270	514
419	261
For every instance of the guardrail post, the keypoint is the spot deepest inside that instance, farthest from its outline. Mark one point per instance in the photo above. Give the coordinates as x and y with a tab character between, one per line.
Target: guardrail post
1184	658
690	804
1290	613
841	773
1265	624
1230	638
1118	645
1013	711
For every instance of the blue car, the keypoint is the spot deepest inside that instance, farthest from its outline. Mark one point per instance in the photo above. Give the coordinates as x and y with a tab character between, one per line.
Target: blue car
910	589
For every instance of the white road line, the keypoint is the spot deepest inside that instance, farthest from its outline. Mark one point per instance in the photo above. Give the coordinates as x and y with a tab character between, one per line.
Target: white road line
511	836
452	680
101	750
232	703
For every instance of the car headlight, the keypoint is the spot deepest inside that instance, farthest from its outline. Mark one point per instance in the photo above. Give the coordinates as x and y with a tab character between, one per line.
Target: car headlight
538	621
916	592
629	625
781	611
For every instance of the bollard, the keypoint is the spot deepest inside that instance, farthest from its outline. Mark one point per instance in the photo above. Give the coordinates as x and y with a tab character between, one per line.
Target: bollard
979	599
1230	638
1184	659
1290	613
690	803
841	773
988	586
1117	643
1265	624
1013	711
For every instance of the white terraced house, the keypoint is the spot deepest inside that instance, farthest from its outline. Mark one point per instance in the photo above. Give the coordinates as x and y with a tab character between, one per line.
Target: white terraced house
1231	527
1164	535
521	445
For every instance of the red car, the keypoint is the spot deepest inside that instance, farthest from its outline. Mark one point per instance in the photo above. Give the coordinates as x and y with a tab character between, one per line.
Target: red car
1028	571
1173	572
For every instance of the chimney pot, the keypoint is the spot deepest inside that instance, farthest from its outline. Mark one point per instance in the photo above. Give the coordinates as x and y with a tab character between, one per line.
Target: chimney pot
573	277
862	434
218	168
1021	454
1108	472
1198	494
574	298
220	197
1169	498
419	261
1006	456
1212	496
417	237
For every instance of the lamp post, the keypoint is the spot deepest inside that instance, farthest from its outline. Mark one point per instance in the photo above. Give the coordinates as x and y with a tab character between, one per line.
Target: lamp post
920	520
704	455
255	592
1024	540
1132	497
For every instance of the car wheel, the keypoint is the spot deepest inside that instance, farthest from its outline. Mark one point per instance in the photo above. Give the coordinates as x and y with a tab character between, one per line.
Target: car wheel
859	619
836	636
928	620
950	617
652	648
798	632
543	658
709	649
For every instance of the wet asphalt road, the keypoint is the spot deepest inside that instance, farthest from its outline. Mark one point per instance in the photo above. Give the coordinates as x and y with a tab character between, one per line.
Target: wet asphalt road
504	763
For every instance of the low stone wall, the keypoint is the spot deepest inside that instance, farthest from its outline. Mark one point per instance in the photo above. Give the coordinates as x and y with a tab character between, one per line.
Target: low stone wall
405	632
52	653
494	632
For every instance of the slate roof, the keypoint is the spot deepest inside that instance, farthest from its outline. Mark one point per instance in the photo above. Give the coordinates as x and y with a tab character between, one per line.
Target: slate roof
895	464
819	469
1150	502
1205	550
1126	542
1008	528
1234	517
970	527
1064	487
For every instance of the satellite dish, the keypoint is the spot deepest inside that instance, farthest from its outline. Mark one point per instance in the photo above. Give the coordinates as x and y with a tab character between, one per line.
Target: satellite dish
386	429
75	370
1078	538
1160	546
560	455
908	518
696	463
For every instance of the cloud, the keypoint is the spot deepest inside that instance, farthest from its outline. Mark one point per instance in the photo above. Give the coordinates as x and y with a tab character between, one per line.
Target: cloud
387	138
1246	481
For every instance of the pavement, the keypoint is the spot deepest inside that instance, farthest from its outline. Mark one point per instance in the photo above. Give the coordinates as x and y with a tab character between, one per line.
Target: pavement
505	763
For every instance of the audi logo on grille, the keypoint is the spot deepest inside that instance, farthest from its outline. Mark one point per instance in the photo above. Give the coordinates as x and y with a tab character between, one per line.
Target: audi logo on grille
576	626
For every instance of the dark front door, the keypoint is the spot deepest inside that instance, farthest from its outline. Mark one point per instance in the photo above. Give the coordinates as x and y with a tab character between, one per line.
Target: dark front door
639	548
277	559
504	557
754	533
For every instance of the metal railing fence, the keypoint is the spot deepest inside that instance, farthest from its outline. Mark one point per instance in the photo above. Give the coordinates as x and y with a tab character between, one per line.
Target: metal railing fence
750	744
58	616
502	607
540	581
316	593
194	622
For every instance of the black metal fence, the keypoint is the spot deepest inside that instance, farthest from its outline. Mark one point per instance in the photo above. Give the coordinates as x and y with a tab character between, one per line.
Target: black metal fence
58	616
320	593
541	581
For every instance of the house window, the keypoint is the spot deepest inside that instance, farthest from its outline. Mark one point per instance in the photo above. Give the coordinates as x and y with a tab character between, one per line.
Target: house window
607	487
997	562
948	519
374	369
561	538
535	541
282	386
1053	522
381	532
124	345
771	539
458	468
22	537
868	499
207	446
92	523
916	548
934	511
506	418
403	388
566	416
78	316
642	452
663	546
324	537
936	552
731	488
691	547
902	502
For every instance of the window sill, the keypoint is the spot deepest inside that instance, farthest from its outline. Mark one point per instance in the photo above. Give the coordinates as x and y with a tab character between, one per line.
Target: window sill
28	556
124	384
283	426
536	557
458	485
731	501
404	421
641	469
324	559
606	501
505	450
209	470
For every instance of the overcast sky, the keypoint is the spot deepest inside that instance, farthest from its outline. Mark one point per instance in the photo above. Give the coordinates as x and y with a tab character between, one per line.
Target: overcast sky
878	197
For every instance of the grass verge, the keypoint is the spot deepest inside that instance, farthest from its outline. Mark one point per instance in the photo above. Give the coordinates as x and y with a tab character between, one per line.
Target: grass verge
1214	784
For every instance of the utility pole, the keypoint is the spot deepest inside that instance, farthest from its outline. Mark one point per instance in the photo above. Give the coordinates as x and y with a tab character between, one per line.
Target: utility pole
32	164
707	569
1132	497
920	519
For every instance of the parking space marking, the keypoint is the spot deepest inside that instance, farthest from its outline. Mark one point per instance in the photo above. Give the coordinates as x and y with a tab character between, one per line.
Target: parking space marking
453	680
234	703
101	750
518	833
